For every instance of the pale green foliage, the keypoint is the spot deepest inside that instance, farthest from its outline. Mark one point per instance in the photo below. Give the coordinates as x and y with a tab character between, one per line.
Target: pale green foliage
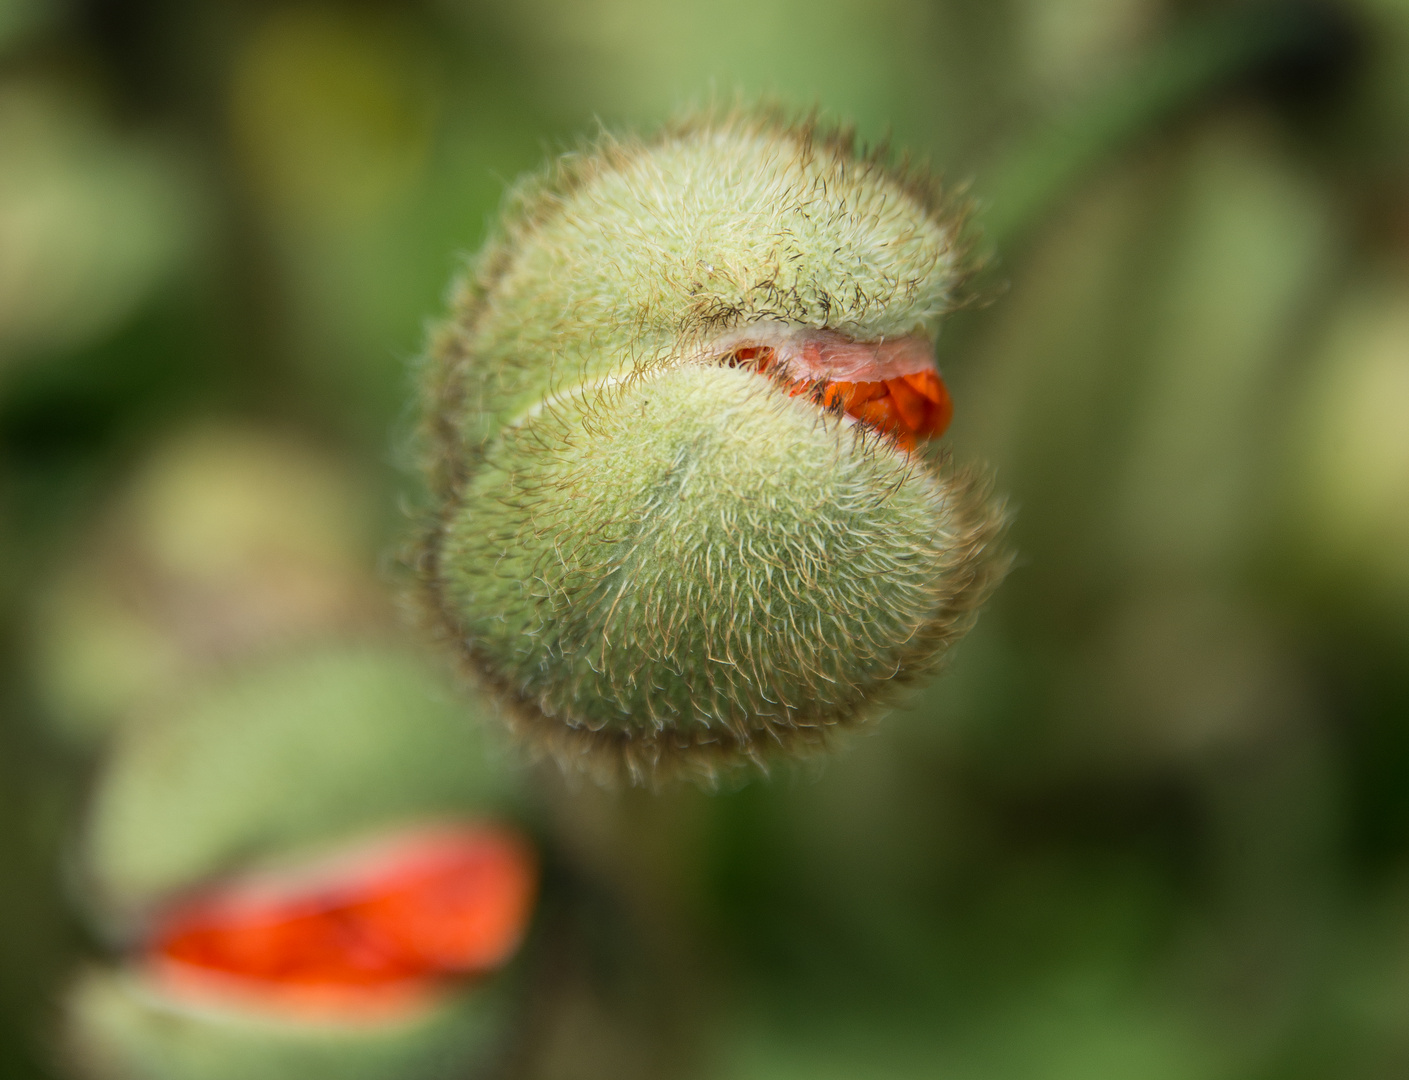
121	1027
282	757
658	560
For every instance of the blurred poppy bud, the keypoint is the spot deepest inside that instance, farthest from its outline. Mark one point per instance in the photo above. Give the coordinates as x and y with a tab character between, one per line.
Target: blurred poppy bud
310	866
367	963
679	423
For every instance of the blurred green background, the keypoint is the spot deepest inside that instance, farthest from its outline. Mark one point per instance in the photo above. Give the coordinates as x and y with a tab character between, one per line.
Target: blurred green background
1154	820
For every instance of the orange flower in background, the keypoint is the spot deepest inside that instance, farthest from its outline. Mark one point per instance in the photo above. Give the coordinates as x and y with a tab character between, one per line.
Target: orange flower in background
374	929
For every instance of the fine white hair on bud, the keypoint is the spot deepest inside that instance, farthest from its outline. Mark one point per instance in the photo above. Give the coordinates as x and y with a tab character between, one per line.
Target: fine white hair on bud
679	431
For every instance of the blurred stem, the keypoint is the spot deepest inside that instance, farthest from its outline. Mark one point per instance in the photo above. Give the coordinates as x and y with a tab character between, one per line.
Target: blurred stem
1182	73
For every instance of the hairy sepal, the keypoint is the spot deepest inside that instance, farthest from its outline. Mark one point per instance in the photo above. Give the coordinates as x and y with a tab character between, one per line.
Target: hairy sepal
691	567
638	251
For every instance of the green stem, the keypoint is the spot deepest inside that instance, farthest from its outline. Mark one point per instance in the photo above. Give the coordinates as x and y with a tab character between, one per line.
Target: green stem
1182	73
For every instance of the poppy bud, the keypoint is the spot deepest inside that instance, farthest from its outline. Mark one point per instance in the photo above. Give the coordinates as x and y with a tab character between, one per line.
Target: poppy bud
372	962
310	868
679	422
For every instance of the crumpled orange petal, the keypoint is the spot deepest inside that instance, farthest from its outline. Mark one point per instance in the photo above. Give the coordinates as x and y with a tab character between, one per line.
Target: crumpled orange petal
911	407
407	911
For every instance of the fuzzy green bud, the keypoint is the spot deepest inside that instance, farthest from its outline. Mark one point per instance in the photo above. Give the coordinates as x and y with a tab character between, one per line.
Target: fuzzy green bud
661	537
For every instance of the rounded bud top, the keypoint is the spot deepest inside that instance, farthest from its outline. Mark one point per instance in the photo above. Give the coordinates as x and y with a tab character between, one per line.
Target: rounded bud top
622	258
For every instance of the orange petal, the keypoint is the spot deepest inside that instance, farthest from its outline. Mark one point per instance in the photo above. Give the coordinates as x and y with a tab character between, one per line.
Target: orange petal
464	910
851	395
927	384
913	409
868	391
930	386
880	413
429	903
